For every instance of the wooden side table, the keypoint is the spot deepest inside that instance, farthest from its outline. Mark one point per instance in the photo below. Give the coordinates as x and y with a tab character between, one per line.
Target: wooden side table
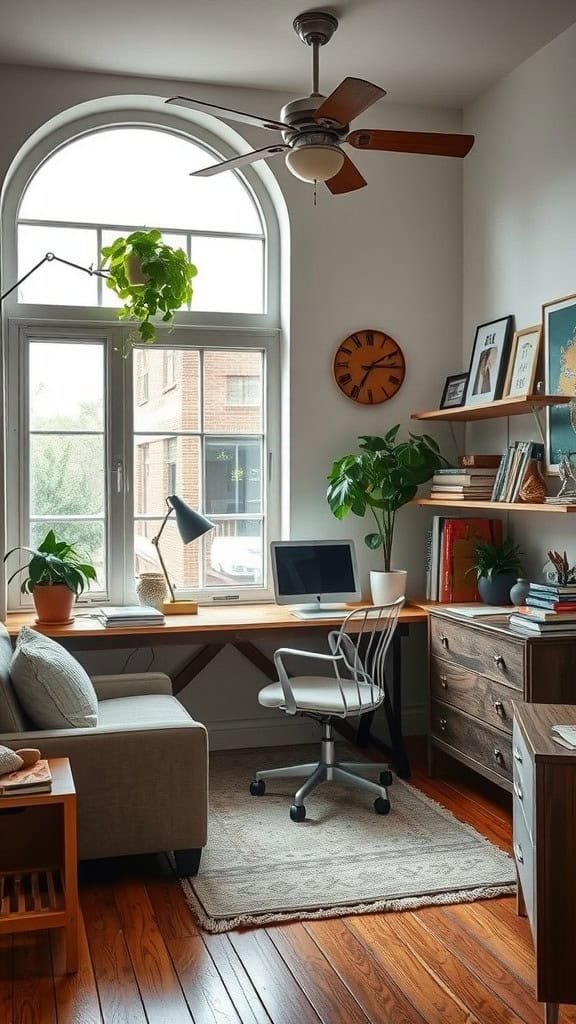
38	861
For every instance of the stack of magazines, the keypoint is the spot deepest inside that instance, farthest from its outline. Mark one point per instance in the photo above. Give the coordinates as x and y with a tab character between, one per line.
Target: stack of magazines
131	615
550	608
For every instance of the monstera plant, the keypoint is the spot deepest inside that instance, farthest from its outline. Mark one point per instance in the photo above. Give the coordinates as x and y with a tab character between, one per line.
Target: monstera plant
377	481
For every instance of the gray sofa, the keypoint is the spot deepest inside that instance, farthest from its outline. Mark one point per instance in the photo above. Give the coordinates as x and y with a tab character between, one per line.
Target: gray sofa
141	775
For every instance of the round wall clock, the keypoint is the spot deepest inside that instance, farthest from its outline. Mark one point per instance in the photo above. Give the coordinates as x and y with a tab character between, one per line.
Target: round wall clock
369	367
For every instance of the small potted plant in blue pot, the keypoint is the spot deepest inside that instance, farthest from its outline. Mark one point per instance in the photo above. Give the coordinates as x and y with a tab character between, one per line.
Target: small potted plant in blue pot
497	568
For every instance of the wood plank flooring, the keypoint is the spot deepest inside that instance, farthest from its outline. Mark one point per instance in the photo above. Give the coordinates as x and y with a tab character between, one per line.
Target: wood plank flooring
144	961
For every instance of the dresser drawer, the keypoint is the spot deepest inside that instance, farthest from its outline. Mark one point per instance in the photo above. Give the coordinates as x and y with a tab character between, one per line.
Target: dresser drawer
524	857
478	741
523	778
479	696
486	654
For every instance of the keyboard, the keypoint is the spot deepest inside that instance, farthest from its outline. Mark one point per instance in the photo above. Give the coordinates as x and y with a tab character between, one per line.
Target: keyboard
320	613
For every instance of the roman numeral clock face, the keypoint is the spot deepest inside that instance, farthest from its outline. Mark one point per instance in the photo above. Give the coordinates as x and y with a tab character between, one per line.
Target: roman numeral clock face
369	367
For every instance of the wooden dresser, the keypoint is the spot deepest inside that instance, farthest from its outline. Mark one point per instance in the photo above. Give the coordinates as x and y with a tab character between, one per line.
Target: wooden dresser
478	667
545	847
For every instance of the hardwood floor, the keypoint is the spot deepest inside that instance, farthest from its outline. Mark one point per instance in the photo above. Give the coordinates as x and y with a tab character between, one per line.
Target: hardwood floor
144	961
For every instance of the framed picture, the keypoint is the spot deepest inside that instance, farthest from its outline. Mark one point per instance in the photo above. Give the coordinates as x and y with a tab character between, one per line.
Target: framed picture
523	361
489	361
559	333
454	391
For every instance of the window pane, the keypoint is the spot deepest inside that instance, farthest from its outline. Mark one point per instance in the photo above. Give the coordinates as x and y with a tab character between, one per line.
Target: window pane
55	284
53	363
66	474
167	409
182	560
233	553
220	415
87	538
230	275
233	476
93	179
163	466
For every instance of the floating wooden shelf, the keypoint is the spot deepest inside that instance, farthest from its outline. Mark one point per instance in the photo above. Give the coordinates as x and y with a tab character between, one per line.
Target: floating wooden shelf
496	506
494	410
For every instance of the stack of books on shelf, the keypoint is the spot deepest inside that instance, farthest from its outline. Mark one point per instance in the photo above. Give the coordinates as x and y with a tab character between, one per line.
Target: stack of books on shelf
131	615
452	542
550	610
512	469
472	480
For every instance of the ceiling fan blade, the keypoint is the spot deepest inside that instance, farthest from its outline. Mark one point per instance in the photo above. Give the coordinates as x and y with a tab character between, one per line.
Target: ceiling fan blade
348	179
349	99
239	161
428	143
227	114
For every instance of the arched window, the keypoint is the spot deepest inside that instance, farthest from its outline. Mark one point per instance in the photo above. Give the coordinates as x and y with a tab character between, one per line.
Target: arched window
102	441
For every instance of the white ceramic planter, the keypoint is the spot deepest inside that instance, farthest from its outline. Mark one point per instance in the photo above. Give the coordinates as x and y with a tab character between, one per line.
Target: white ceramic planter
387	587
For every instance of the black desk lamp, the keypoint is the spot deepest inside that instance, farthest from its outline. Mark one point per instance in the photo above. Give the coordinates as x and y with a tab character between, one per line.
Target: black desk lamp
191	525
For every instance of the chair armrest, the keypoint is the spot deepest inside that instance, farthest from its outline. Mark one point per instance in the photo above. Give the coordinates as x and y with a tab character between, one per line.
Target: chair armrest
132	684
289	699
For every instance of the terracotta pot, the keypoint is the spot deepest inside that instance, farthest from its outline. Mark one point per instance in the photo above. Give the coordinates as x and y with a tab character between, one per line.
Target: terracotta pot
53	604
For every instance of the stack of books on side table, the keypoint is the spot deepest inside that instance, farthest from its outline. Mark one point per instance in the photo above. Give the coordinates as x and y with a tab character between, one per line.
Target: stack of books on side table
550	610
131	615
473	483
26	781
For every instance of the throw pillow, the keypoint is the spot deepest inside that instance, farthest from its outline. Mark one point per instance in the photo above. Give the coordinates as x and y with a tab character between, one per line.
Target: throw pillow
11	718
9	761
52	687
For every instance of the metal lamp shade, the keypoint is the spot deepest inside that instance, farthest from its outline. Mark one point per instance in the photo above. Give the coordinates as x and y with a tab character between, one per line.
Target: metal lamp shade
191	524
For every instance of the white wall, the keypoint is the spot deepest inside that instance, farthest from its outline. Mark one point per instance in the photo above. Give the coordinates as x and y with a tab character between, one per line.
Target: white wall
388	257
520	230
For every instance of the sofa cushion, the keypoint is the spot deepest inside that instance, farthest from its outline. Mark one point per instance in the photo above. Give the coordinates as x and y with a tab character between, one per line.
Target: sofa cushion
52	687
149	711
11	717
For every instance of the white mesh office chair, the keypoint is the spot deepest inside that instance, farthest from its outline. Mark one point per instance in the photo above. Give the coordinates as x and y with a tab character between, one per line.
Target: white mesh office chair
356	686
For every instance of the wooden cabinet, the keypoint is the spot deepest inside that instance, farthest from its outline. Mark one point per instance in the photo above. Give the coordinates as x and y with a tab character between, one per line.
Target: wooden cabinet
478	668
544	801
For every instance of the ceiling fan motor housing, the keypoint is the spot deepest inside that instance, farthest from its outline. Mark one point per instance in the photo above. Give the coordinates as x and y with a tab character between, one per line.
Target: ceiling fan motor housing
315	27
299	115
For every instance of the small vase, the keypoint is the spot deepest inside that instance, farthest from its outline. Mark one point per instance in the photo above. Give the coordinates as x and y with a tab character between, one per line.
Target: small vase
151	589
387	587
519	592
496	589
533	490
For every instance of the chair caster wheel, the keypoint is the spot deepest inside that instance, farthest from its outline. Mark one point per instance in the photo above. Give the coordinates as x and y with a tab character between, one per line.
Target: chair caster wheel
382	806
297	812
386	778
258	787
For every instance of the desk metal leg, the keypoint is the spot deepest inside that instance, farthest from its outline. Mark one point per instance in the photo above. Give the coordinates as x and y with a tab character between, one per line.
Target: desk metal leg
393	711
200	659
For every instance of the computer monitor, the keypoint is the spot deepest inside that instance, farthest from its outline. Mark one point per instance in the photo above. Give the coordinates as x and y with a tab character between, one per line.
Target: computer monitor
316	575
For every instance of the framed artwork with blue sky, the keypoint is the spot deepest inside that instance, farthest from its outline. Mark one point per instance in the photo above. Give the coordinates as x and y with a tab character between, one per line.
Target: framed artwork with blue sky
559	329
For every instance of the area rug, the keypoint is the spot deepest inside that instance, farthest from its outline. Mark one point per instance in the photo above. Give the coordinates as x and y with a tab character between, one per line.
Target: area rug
260	867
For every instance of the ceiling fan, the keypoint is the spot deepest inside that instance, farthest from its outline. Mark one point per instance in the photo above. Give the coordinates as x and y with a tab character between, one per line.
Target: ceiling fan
314	128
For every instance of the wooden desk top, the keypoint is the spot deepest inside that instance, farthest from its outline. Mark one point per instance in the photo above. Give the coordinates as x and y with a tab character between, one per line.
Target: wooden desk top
221	620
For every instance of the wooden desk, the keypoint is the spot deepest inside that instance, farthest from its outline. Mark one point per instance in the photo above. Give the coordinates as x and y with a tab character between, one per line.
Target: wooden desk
240	626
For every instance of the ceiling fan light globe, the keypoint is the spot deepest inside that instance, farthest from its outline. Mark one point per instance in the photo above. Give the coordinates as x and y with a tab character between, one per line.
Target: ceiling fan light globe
315	163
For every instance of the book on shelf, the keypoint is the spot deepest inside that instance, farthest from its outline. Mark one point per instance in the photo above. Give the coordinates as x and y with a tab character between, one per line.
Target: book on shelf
479	461
512	469
459	476
550	604
451	556
443	496
130	615
35	779
530	625
566	499
557	590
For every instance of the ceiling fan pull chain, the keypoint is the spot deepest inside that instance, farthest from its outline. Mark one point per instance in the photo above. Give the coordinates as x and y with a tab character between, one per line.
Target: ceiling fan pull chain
315	193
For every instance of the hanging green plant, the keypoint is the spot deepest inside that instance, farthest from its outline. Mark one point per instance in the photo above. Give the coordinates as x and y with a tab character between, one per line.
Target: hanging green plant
150	277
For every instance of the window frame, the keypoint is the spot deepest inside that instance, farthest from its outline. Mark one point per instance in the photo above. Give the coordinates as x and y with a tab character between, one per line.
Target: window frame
197	329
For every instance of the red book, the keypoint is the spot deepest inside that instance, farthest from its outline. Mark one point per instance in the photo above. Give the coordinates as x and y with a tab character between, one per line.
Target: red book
458	583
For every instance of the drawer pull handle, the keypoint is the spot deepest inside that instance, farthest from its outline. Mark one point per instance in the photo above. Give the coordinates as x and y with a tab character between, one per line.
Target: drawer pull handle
499	756
443	724
444	640
444	682
518	853
517	755
499	708
518	790
499	661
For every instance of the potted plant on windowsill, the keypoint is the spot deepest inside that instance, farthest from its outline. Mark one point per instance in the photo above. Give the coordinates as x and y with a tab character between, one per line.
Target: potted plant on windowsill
497	567
56	577
379	480
150	277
